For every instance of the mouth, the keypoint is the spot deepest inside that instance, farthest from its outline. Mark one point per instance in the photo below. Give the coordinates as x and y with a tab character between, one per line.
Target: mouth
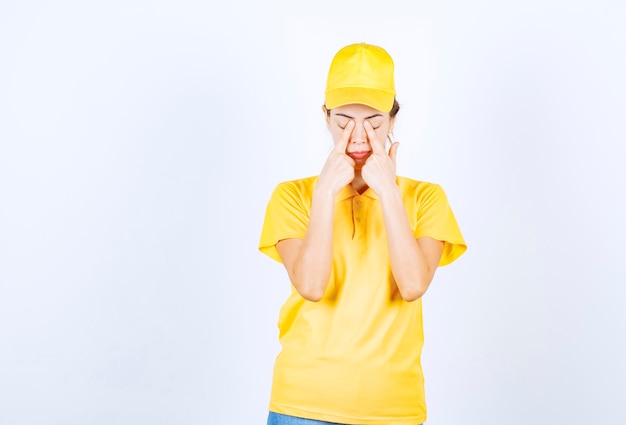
359	155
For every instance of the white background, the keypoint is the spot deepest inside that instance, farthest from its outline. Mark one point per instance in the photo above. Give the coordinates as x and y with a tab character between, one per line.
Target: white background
141	140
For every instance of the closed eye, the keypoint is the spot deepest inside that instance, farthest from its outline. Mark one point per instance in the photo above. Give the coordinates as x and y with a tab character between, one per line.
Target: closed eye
344	127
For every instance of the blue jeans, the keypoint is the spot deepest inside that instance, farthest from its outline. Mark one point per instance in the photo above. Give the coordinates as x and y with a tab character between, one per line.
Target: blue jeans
279	419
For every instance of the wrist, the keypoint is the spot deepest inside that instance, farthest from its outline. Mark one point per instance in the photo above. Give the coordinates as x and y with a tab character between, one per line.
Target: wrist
323	192
389	192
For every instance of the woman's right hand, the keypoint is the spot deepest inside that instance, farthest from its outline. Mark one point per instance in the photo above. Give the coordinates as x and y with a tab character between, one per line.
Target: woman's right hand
309	261
338	170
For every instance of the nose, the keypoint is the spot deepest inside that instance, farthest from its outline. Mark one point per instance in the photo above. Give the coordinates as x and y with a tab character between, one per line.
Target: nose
359	135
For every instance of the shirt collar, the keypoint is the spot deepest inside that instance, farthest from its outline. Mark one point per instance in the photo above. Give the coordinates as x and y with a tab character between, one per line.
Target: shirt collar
349	192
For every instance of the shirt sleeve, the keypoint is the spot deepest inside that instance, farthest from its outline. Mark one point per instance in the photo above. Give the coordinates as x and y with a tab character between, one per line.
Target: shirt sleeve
286	217
435	219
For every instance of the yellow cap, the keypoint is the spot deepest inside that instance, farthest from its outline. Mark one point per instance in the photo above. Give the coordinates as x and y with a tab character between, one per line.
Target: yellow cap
361	73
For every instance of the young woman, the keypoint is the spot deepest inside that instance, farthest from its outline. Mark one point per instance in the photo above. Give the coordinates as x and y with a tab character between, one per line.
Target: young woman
361	246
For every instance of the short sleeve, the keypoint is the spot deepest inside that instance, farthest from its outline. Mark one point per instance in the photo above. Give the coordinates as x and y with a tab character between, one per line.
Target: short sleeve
435	219
286	216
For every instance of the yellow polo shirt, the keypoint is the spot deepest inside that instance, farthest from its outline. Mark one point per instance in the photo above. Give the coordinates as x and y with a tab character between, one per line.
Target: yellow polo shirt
354	356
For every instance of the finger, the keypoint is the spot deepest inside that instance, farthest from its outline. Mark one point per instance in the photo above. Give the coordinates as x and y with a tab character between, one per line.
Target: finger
393	151
341	146
371	135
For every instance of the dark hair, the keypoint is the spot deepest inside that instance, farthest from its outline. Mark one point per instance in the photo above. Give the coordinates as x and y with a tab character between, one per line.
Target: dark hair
394	109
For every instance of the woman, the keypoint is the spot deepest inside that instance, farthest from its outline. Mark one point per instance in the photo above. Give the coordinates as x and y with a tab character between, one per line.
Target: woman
360	246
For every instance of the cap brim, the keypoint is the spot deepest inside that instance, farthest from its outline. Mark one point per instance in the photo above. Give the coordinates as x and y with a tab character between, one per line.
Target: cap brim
377	99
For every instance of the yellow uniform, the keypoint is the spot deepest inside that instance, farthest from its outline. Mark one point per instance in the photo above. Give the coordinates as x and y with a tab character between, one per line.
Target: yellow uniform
354	356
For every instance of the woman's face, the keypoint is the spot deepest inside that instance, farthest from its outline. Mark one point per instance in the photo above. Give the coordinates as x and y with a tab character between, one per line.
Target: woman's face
359	145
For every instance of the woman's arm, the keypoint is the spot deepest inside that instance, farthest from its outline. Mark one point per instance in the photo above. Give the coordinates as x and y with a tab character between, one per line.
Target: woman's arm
309	261
413	261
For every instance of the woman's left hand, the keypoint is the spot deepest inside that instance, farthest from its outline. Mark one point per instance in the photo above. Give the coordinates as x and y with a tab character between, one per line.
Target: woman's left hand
379	171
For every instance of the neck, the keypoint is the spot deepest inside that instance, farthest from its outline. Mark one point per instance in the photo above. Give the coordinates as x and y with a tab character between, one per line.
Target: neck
358	183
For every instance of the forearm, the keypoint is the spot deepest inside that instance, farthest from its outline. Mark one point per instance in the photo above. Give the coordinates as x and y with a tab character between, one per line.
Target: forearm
409	263
312	266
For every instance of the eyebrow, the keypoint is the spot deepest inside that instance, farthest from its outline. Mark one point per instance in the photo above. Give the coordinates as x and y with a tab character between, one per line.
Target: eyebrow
367	118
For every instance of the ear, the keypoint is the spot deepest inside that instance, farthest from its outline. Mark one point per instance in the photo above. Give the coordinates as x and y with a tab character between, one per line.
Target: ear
392	122
326	115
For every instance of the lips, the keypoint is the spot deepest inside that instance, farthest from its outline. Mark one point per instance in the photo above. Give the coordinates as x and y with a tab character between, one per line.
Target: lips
359	155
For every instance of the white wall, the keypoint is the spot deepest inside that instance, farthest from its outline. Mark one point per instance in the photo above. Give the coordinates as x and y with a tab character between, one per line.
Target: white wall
140	141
